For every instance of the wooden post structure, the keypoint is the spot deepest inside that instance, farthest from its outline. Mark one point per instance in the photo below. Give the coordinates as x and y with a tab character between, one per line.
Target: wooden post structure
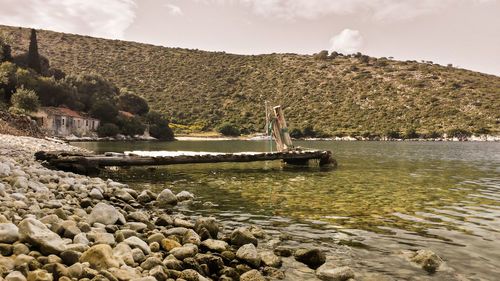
280	130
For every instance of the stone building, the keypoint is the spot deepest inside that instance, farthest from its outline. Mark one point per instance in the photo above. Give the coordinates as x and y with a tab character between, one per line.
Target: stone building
62	122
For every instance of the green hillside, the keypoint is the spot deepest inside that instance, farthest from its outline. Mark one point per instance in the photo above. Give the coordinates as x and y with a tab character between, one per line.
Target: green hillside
353	95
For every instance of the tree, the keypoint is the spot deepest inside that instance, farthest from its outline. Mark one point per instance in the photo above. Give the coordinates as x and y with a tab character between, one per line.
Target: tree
104	111
7	80
130	126
159	126
133	104
33	56
107	130
93	87
5	50
323	55
24	99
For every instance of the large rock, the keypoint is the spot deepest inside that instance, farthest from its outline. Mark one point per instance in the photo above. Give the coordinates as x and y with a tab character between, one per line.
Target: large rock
331	273
124	252
105	214
36	233
210	224
249	254
169	244
184	195
39	275
4	170
242	236
9	233
427	259
166	198
100	257
312	257
191	237
252	275
186	251
15	276
215	245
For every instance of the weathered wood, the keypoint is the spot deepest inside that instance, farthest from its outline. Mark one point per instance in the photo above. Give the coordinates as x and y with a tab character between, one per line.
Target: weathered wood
283	128
77	162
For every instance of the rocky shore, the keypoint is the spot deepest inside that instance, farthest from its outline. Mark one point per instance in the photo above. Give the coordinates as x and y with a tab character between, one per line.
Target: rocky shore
56	225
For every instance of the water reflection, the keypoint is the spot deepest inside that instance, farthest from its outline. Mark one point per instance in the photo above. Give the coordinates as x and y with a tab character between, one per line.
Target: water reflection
383	196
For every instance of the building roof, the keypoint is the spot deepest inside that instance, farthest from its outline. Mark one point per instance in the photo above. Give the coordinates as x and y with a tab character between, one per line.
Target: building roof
64	112
128	114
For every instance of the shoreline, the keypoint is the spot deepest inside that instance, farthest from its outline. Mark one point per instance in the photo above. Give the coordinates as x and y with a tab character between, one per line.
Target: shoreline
57	225
64	226
483	138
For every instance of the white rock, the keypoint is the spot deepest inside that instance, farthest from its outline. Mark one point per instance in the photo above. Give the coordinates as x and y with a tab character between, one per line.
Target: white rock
136	242
4	170
105	214
185	195
81	238
15	276
328	273
95	193
166	198
249	254
9	233
36	233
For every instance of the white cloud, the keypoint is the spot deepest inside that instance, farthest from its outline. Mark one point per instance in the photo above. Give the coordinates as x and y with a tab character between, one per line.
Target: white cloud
347	42
375	9
109	18
174	10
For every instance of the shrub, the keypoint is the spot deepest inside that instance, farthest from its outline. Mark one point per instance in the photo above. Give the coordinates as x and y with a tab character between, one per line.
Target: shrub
104	111
458	133
26	100
296	133
410	133
309	132
227	129
392	134
323	55
159	126
432	135
108	130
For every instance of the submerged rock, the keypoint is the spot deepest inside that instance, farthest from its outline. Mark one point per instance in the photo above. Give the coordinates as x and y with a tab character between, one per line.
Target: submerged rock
242	236
331	273
312	257
427	259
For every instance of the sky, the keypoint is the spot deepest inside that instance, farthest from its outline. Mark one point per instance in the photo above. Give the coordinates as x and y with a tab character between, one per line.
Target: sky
464	33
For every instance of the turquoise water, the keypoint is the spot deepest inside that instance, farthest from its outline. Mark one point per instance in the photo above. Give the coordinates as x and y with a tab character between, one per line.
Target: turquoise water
382	198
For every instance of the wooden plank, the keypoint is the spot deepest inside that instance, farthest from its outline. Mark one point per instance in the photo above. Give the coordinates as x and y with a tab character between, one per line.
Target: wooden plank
280	117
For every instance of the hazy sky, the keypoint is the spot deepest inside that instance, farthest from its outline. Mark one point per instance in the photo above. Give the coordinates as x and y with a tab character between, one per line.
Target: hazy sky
465	33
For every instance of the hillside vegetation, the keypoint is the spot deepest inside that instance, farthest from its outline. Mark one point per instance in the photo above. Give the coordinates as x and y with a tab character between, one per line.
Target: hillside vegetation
323	94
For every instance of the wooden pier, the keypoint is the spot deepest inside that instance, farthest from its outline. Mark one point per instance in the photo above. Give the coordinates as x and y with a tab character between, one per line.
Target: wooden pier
86	163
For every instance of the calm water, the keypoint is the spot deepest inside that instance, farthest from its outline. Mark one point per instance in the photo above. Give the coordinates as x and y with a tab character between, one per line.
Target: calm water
383	197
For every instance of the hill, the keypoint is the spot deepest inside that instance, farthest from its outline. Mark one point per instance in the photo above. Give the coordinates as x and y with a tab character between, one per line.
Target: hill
337	95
